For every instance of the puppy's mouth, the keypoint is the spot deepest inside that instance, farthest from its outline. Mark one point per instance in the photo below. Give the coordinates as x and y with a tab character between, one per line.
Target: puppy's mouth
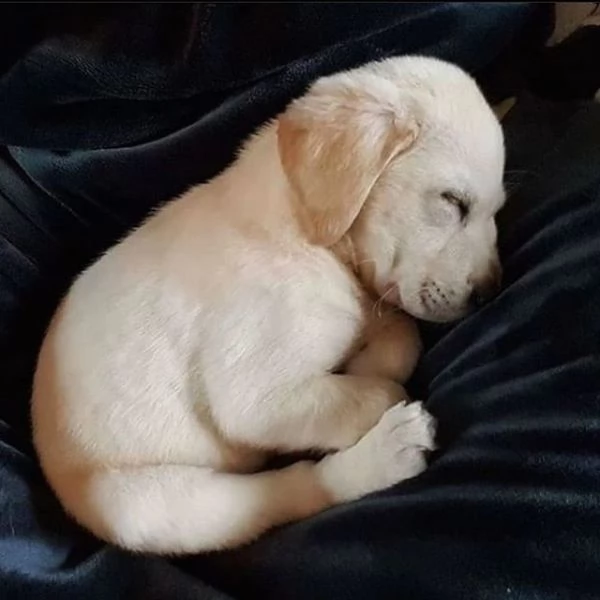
438	304
432	303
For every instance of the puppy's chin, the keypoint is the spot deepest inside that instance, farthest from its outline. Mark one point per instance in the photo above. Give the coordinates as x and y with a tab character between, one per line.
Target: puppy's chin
419	309
434	317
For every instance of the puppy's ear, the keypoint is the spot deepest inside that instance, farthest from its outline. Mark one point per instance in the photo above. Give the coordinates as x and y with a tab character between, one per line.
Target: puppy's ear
334	144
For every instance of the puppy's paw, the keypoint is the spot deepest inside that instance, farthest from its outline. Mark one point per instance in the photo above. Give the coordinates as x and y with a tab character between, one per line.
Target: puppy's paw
394	450
406	425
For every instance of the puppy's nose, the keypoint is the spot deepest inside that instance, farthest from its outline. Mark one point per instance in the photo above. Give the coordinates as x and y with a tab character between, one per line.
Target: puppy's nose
485	288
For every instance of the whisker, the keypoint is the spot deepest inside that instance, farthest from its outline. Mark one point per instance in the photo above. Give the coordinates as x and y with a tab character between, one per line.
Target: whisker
378	305
365	260
352	252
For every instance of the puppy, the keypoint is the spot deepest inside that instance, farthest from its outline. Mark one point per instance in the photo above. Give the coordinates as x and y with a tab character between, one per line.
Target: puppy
213	335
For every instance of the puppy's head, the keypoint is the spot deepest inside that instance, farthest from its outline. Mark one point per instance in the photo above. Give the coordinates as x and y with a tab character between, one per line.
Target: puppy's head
404	159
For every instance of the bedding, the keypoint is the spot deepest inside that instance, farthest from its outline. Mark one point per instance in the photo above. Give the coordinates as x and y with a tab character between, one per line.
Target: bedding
99	127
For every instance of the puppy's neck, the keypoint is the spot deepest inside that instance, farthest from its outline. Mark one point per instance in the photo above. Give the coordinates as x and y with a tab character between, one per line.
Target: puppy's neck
263	195
257	184
345	251
362	269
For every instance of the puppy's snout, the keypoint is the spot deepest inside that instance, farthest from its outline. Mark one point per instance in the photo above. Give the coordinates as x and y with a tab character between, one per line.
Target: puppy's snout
486	287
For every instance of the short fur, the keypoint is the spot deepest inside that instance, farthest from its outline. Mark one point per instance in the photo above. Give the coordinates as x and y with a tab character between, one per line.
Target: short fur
260	312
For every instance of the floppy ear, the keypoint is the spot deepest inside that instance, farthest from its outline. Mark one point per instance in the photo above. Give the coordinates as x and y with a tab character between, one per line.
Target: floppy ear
334	143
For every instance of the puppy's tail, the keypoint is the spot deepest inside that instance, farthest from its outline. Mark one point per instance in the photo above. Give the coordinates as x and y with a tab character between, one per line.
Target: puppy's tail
177	509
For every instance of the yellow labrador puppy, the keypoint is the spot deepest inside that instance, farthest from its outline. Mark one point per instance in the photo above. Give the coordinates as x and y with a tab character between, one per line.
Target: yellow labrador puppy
247	317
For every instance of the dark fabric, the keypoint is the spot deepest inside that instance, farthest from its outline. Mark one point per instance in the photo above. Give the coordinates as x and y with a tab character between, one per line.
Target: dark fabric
510	506
569	71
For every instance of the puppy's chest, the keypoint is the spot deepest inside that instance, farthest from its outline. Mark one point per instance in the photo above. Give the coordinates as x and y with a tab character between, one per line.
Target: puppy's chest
331	310
363	323
352	324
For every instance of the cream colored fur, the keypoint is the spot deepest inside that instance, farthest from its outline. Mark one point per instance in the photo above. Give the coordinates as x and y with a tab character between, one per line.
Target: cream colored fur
258	313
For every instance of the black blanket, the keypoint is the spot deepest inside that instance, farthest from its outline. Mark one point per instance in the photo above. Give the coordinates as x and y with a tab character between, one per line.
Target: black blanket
102	125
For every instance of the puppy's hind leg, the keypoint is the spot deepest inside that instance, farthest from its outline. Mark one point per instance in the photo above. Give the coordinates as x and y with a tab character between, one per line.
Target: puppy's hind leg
179	509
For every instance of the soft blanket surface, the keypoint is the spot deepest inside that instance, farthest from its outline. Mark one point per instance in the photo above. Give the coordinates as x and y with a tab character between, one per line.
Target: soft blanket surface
95	136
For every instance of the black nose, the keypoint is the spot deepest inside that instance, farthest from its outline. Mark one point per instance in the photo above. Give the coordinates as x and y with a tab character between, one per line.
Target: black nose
485	288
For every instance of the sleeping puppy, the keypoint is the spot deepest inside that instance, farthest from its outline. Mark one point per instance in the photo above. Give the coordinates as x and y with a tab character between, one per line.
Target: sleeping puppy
261	313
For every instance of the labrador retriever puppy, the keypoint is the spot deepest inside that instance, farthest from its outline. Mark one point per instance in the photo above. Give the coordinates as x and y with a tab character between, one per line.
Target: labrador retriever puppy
267	311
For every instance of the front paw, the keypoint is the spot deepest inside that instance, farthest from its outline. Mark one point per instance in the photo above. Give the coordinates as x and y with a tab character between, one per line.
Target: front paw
393	451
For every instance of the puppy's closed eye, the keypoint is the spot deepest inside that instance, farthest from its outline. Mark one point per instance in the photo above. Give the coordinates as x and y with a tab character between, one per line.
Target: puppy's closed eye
459	201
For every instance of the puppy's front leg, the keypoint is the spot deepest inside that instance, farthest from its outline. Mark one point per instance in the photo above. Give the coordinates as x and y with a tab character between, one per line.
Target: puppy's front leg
328	412
392	347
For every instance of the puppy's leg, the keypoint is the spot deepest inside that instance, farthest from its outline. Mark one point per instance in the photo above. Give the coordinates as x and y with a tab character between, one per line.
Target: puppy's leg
328	412
176	509
392	349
